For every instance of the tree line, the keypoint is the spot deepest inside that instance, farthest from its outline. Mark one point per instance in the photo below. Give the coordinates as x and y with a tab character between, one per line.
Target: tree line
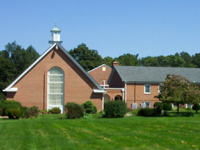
90	59
14	59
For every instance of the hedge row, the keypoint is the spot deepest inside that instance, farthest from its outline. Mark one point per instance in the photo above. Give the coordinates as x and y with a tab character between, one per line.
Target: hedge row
14	110
112	109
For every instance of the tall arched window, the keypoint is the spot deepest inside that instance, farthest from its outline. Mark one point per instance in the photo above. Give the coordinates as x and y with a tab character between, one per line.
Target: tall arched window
55	87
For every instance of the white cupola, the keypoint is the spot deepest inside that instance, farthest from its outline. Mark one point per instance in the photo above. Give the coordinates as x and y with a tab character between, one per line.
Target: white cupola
55	35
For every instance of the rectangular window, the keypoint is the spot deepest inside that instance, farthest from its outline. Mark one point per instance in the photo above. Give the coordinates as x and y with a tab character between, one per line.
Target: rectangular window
148	104
103	68
159	89
147	89
145	105
188	105
134	106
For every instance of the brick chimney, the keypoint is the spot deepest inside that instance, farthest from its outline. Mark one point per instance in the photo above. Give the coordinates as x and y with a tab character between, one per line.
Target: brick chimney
115	63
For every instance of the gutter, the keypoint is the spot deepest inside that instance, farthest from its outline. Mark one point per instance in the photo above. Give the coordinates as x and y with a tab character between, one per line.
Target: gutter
10	90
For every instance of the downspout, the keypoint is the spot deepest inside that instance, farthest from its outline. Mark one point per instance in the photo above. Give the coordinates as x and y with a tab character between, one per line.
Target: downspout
135	92
103	99
125	92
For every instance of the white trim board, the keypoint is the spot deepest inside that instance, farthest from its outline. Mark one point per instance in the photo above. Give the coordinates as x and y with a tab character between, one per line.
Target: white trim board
29	68
99	67
8	89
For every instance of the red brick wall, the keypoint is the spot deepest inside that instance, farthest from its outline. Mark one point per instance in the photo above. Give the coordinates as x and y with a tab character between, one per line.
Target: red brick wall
135	94
116	81
113	93
100	75
32	88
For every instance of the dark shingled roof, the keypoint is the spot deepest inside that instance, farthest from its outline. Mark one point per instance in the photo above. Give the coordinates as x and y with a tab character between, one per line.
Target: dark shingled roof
132	74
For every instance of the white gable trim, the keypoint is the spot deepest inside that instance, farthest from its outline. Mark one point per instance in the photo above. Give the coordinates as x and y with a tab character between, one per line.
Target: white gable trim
99	91
10	89
99	67
28	69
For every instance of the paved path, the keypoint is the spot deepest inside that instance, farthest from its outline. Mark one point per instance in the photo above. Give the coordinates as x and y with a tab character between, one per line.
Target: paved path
3	116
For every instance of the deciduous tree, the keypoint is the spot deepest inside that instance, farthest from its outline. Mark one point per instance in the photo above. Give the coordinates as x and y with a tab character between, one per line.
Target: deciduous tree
86	57
175	90
128	60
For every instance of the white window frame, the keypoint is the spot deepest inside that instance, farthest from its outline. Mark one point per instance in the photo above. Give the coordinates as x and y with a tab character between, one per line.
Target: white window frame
188	105
149	89
149	104
134	105
49	106
103	68
159	90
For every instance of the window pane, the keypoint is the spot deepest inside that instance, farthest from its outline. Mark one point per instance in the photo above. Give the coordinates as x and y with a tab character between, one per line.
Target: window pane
55	87
55	71
148	104
55	78
55	99
147	88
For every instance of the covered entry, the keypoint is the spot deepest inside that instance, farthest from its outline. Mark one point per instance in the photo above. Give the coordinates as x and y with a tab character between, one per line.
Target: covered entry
118	97
106	98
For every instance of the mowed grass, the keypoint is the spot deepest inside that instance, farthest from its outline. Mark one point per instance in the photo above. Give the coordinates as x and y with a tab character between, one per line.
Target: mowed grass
54	132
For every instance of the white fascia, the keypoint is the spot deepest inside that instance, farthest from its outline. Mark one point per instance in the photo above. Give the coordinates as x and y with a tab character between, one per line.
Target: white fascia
10	90
99	67
114	89
99	91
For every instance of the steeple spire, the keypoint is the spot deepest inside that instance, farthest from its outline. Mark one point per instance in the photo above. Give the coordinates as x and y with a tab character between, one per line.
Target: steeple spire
55	35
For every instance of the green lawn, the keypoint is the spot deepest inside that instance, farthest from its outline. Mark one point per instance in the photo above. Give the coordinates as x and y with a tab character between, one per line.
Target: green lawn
55	132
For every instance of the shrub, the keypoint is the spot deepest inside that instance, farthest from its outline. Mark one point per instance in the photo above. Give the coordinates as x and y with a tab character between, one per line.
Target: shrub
196	107
31	112
159	107
167	106
166	113
188	108
14	113
87	116
186	114
89	107
2	107
135	111
147	112
23	112
44	111
74	110
1	111
55	110
101	112
115	109
5	105
156	104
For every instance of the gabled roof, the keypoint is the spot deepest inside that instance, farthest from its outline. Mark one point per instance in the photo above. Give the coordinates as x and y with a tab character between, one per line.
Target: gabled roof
99	67
136	74
10	89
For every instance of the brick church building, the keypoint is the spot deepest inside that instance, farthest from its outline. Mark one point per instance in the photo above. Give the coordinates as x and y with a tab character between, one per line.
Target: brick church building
56	78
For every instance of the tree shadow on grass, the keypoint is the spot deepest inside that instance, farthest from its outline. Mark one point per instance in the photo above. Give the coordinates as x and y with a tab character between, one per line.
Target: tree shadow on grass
181	114
4	119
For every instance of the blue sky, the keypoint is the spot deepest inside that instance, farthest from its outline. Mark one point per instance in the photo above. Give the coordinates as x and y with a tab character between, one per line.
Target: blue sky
112	27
